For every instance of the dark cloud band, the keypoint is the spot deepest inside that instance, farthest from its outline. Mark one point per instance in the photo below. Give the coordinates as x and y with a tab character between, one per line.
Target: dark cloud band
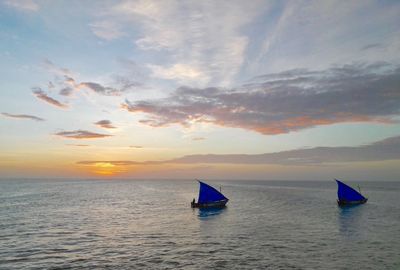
388	149
22	116
81	134
286	101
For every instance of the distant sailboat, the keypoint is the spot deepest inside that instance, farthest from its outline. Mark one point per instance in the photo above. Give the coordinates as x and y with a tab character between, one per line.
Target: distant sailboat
209	197
349	196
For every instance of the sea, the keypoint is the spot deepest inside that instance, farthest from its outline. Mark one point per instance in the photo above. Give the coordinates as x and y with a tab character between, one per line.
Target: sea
149	224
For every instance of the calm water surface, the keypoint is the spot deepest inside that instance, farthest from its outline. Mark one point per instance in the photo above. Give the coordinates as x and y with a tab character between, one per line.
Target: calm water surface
150	225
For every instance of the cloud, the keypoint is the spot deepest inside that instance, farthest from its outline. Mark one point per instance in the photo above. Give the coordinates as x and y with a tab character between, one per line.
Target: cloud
273	34
284	102
100	89
67	91
81	134
43	96
24	5
198	138
387	149
72	84
295	34
125	83
67	84
107	30
136	146
180	72
60	71
50	85
372	46
185	34
104	124
22	116
79	145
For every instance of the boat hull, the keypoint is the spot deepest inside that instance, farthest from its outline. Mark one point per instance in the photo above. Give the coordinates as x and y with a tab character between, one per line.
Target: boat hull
344	202
217	204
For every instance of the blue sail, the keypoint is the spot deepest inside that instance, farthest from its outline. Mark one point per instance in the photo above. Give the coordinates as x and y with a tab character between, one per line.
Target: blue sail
208	194
346	193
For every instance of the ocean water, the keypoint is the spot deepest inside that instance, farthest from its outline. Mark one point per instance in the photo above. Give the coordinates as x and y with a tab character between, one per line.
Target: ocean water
100	224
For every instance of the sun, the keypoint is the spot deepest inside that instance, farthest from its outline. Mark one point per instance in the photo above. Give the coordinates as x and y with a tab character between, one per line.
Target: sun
107	169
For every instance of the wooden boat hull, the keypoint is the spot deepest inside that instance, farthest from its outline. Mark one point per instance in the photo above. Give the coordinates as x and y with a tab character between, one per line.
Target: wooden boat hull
217	204
344	203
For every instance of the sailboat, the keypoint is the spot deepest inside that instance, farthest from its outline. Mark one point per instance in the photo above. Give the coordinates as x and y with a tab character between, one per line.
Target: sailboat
209	197
349	196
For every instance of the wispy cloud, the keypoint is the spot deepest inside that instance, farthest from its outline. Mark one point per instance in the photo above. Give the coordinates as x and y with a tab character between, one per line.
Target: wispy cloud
372	46
70	85
198	139
100	89
66	82
81	134
136	146
197	54
24	5
387	149
104	124
273	34
53	68
180	72
286	101
66	91
78	145
40	94
108	30
22	116
297	30
50	85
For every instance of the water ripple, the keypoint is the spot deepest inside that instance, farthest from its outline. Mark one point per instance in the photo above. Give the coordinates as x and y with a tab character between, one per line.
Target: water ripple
149	225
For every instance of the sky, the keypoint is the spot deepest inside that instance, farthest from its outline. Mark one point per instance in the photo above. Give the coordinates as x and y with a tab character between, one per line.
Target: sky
269	90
